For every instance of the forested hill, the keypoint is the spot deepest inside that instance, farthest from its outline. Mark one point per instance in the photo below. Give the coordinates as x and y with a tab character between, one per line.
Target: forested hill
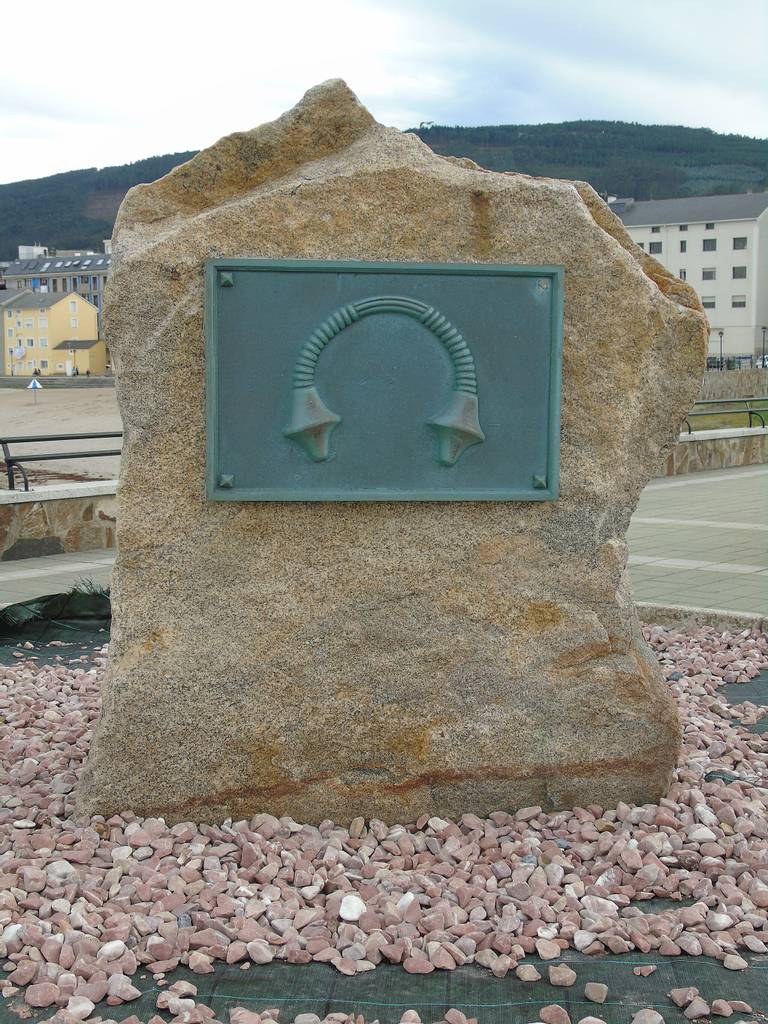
615	157
77	209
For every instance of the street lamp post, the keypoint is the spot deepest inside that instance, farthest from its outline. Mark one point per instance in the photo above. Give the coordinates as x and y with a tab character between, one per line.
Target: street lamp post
721	333
762	361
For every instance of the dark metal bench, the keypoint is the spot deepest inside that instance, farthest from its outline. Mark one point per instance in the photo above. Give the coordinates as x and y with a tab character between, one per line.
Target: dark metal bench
744	406
13	462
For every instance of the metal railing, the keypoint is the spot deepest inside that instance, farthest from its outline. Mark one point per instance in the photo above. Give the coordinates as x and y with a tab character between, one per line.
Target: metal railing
14	462
744	408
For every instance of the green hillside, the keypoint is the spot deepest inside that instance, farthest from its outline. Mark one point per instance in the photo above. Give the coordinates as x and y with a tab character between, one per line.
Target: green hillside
644	161
77	209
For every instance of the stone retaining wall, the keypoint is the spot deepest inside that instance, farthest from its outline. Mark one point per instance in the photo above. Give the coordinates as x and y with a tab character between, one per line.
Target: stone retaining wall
734	384
718	449
57	519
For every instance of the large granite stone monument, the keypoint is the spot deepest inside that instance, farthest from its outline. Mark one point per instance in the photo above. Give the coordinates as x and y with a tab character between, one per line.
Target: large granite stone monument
334	658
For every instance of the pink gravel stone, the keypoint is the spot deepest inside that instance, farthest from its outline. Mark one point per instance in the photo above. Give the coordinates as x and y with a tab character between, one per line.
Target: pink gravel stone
554	1014
645	971
548	950
721	1008
79	1007
454	1016
596	992
201	893
683	996
200	963
696	1008
413	966
239	1015
44	994
561	975
732	962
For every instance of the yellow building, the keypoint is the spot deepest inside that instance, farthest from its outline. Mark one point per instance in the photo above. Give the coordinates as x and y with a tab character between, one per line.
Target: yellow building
50	335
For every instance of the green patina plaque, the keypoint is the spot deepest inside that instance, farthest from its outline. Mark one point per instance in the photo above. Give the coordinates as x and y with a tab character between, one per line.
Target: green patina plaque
335	381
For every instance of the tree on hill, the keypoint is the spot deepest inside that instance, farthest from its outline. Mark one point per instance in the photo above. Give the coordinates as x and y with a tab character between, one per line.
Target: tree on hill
78	209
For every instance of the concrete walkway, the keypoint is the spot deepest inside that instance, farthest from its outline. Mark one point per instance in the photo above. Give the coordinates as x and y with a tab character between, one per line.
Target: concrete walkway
26	578
702	540
699	540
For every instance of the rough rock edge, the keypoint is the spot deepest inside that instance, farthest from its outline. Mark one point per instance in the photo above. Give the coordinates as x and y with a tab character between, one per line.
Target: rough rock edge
606	219
327	119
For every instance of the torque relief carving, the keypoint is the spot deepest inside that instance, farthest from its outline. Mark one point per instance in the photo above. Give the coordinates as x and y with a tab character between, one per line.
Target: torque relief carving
457	426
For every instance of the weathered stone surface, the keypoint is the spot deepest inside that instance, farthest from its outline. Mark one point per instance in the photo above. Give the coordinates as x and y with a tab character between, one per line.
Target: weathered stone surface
694	454
30	528
381	660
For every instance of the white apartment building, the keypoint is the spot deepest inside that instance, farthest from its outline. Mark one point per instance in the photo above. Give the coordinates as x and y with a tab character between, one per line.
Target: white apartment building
719	245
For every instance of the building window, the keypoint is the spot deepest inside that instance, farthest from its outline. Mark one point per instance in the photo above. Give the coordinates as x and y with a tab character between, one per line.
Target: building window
683	246
708	274
709	227
739	272
738	301
683	227
43	343
740	243
55	284
31	364
73	321
708	301
43	364
654	247
641	245
10	332
28	324
709	245
73	306
682	275
10	314
30	342
42	321
655	231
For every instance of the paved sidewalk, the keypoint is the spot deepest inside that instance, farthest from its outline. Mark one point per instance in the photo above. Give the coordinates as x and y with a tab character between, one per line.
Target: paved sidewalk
25	578
699	540
702	540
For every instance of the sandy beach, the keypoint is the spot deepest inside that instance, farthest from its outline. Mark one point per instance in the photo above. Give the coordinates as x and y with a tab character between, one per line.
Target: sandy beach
63	411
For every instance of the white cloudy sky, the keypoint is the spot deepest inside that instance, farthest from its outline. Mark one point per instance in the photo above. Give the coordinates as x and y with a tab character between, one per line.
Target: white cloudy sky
85	85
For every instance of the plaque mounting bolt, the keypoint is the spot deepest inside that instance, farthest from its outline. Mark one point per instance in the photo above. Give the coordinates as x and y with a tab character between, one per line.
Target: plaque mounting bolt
226	280
226	480
540	483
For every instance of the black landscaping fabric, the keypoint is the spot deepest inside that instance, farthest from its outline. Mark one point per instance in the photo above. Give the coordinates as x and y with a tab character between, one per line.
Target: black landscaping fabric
386	993
78	619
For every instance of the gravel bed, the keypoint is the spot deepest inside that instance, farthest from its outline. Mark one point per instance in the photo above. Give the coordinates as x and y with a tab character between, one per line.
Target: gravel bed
84	906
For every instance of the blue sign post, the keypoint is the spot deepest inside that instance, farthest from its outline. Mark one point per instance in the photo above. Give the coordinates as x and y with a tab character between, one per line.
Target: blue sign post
34	386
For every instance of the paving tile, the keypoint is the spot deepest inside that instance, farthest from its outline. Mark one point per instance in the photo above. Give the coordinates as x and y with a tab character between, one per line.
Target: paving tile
739	577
